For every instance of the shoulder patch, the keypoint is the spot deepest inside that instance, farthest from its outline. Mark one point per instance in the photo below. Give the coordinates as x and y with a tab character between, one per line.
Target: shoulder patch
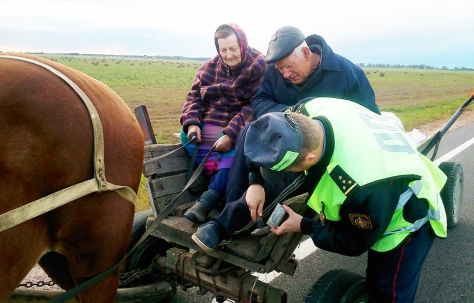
361	221
345	183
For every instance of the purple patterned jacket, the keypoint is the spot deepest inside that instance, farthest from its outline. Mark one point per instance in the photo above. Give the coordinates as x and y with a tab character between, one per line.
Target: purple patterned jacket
221	95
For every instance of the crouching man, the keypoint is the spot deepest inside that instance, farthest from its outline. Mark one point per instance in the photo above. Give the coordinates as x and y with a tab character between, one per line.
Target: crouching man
370	187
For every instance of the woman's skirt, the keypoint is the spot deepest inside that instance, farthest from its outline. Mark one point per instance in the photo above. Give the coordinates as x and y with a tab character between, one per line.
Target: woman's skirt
217	160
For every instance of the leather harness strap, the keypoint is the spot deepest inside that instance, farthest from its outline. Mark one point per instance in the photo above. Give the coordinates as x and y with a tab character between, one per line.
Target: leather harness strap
97	184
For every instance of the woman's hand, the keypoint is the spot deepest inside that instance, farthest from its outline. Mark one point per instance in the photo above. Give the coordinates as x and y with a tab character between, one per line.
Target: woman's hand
291	225
223	144
193	128
255	198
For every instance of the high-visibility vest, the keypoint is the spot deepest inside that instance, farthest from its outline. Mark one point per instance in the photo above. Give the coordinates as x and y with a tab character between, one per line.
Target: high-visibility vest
369	148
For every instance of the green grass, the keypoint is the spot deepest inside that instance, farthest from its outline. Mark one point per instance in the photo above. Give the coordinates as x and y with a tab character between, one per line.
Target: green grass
417	97
160	85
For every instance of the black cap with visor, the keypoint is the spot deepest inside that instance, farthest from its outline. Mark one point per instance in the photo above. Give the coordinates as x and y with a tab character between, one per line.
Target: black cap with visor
283	43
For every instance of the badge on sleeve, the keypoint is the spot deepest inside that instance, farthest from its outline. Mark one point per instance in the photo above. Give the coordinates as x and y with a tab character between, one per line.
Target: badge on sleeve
361	221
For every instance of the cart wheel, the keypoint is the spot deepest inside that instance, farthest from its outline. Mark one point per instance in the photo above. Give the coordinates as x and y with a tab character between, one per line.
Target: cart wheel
142	256
452	191
139	226
338	286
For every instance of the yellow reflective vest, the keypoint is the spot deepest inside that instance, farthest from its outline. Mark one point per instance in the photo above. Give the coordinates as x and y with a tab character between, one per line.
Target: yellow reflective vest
371	149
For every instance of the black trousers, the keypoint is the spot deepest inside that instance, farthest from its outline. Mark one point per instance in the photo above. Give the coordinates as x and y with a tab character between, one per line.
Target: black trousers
236	214
393	276
239	171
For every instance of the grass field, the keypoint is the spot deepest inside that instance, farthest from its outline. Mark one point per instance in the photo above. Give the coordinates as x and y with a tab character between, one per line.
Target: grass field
160	85
417	97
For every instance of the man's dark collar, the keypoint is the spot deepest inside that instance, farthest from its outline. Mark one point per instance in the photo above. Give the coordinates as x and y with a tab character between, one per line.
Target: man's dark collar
329	145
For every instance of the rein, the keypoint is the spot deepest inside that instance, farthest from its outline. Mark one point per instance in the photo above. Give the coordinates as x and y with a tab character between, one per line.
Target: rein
163	214
167	154
97	184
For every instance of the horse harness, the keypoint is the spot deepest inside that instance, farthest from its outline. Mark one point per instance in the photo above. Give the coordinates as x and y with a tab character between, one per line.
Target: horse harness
96	184
64	196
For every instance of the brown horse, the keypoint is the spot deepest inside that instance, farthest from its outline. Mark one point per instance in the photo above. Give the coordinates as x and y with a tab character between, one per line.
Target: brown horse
46	145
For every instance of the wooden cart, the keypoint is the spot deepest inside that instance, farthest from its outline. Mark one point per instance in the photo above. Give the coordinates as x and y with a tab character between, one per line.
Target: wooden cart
168	258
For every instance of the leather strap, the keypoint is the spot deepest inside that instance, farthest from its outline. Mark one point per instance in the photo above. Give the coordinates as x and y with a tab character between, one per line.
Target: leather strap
163	214
50	202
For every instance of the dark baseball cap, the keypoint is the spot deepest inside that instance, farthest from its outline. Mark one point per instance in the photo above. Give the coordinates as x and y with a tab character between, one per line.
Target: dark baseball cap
273	142
283	43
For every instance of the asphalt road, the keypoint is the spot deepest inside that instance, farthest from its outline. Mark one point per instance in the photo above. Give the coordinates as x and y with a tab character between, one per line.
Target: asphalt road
448	272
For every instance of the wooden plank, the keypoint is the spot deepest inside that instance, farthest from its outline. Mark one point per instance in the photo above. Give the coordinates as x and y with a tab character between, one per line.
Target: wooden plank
143	119
169	178
255	248
288	242
177	162
267	244
161	187
185	198
155	150
246	246
179	230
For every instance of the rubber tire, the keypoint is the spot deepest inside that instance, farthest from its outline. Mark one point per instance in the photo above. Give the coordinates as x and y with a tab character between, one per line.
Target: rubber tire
452	192
139	226
143	255
338	286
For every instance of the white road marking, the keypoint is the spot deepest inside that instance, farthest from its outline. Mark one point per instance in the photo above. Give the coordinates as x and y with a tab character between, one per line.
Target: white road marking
454	152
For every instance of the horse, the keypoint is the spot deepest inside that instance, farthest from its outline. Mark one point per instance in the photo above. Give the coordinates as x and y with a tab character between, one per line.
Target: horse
48	143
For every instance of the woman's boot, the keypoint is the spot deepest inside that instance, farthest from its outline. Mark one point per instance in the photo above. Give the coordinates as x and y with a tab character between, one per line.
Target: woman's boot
200	210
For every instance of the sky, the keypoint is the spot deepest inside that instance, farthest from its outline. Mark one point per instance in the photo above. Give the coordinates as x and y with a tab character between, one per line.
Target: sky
430	32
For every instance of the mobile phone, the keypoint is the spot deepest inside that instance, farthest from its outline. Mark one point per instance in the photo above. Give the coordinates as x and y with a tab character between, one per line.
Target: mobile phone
276	216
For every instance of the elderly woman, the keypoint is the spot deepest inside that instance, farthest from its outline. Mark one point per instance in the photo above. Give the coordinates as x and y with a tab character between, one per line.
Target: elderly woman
216	109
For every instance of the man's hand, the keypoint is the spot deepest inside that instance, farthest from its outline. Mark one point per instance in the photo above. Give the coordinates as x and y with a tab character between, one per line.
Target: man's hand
223	144
193	128
291	225
255	198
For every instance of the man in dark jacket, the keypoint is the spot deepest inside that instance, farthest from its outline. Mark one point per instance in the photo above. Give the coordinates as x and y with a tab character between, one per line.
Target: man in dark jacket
299	68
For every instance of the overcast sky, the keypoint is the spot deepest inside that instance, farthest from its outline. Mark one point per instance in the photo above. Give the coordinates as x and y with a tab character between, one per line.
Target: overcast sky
430	32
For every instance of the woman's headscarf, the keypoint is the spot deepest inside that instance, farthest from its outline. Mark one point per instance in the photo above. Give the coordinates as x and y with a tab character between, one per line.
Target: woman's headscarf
241	37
